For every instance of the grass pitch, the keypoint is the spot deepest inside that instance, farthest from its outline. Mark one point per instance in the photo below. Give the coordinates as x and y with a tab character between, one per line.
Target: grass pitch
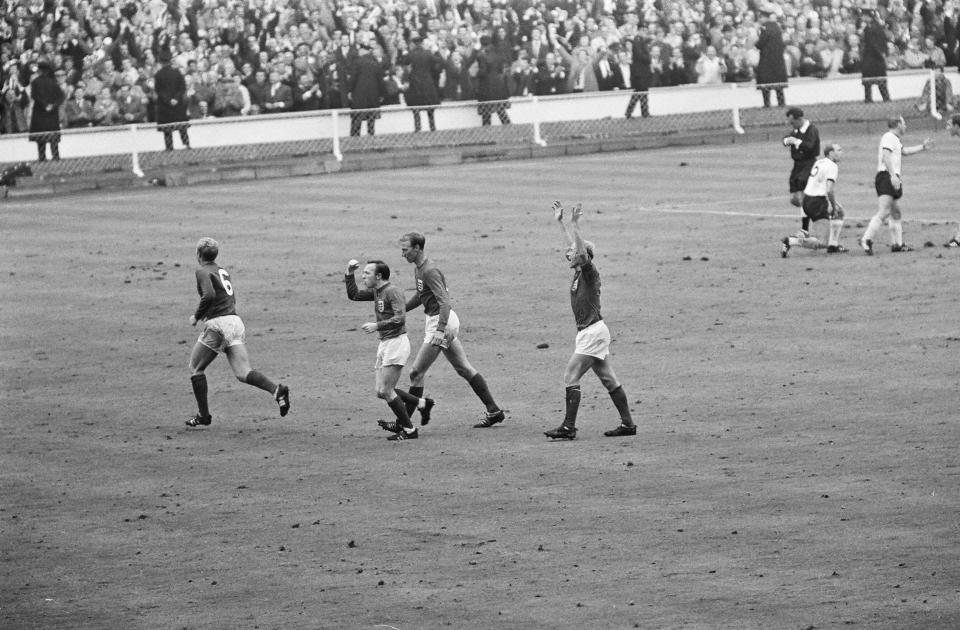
795	467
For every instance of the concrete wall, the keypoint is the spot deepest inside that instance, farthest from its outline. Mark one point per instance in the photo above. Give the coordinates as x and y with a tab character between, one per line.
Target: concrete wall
214	132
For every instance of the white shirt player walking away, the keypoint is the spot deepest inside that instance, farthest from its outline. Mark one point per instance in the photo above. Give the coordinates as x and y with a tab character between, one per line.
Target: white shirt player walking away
820	202
889	186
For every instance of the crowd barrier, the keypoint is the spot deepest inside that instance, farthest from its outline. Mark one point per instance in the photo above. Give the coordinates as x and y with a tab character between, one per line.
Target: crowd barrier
537	120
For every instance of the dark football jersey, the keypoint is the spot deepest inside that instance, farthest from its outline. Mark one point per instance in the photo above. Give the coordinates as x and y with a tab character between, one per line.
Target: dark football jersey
388	306
432	290
216	292
585	293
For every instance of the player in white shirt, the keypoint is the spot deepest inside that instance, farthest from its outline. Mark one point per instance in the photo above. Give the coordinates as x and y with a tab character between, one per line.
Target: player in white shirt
820	202
889	186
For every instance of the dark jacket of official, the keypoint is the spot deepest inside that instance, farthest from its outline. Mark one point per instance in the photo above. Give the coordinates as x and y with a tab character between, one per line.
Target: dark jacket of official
874	58
641	78
425	68
366	83
46	95
491	80
771	68
170	85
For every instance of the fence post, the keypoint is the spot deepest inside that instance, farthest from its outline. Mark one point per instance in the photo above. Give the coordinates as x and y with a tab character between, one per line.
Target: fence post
336	136
933	96
537	138
135	157
736	112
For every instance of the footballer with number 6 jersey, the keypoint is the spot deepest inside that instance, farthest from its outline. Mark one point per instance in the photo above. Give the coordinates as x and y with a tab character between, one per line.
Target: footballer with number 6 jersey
889	186
592	349
819	202
222	330
394	349
441	330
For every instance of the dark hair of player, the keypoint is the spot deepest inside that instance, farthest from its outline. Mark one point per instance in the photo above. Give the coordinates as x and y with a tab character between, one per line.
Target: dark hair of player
416	239
894	122
381	268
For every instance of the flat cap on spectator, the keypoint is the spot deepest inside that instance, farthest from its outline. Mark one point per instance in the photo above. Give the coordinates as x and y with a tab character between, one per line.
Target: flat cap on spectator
767	9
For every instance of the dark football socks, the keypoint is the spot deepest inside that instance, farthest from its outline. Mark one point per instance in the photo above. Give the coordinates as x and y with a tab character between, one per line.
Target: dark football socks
259	380
411	397
573	404
480	388
199	382
400	411
619	398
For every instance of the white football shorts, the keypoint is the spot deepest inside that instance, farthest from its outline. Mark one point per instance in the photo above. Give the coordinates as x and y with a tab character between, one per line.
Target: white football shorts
594	340
393	351
452	331
222	332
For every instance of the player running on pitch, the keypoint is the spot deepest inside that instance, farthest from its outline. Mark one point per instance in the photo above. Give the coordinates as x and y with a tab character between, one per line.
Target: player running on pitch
819	202
592	350
222	330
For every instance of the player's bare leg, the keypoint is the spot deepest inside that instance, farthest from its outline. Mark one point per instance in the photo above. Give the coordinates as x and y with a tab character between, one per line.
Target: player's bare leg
387	377
885	205
240	363
896	230
457	357
796	199
608	378
200	357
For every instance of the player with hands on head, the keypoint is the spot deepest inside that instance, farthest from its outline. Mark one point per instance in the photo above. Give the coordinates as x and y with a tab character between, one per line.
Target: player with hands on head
441	330
592	348
889	186
820	202
394	348
222	330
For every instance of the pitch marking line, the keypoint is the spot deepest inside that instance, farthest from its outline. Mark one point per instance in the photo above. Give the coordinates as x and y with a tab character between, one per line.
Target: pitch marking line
702	208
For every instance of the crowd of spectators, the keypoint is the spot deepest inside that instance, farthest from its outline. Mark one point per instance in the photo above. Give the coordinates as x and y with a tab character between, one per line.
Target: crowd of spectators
104	53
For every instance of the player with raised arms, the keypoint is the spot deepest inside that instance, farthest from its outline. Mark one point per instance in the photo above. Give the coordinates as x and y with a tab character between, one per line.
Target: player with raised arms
592	349
222	331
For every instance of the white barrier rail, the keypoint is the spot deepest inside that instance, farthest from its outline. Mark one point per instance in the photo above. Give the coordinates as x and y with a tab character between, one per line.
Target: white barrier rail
334	125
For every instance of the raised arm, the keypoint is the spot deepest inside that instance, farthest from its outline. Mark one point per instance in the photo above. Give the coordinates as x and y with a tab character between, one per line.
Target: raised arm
580	248
558	215
353	292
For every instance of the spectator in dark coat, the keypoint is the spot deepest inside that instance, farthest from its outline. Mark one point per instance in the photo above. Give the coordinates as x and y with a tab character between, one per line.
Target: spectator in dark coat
492	92
873	63
424	70
366	91
641	77
45	118
771	69
171	102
